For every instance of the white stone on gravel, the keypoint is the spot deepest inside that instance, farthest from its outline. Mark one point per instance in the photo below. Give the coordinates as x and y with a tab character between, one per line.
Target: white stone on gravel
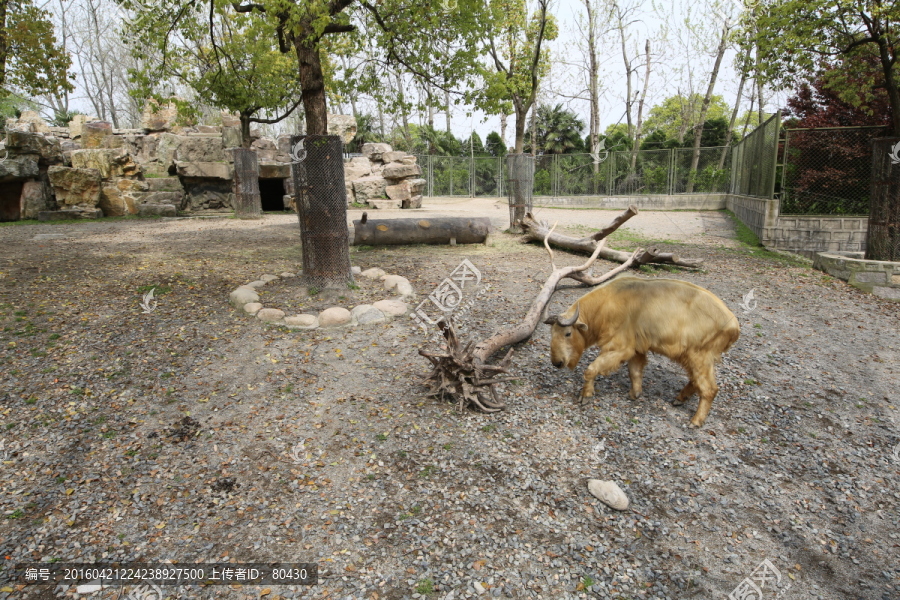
373	273
391	281
609	493
251	308
270	315
268	278
404	289
371	316
287	275
88	588
334	317
358	310
303	321
243	295
391	308
355	270
256	284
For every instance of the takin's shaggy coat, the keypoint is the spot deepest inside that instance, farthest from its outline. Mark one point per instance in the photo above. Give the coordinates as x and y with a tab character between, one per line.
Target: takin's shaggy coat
629	317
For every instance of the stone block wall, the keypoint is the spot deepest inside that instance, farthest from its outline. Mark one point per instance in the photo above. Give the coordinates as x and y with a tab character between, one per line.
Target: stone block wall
878	277
803	234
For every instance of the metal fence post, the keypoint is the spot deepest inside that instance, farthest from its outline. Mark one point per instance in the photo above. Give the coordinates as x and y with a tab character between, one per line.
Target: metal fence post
775	153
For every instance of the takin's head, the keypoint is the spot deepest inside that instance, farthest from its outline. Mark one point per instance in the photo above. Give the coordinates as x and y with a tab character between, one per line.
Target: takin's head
568	341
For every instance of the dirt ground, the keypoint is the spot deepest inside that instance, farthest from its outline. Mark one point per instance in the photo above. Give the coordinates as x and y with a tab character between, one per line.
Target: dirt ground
196	434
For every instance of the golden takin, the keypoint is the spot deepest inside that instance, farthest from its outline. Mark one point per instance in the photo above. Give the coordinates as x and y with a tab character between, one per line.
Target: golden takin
629	317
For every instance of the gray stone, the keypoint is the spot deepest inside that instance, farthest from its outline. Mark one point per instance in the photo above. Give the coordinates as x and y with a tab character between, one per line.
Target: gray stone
164	184
389	157
609	493
36	196
416	186
74	187
369	188
47	148
371	317
20	167
209	129
391	281
404	289
158	117
374	151
211	170
242	295
111	162
274	171
400	171
358	310
302	321
270	315
334	317
355	270
413	202
287	275
265	150
398	192
373	273
231	137
392	308
343	126
76	124
65	215
383	204
251	308
157	210
94	134
268	278
256	284
355	169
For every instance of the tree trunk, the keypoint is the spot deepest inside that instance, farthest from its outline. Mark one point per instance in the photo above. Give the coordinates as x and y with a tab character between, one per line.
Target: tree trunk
247	200
245	130
322	211
439	230
312	80
734	114
698	129
521	115
534	135
538	232
640	111
503	134
883	238
628	99
447	104
4	44
520	177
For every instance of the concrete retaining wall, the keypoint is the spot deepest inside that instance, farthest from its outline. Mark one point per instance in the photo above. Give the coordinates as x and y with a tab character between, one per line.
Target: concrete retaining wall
878	277
803	234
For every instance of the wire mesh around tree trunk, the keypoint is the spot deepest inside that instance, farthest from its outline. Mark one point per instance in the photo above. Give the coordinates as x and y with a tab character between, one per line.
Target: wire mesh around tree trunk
318	172
520	178
883	238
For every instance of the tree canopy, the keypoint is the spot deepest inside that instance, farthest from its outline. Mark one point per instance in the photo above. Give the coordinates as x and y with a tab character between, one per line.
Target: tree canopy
558	130
31	60
676	116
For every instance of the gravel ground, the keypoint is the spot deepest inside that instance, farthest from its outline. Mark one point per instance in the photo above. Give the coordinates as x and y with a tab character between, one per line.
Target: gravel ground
197	434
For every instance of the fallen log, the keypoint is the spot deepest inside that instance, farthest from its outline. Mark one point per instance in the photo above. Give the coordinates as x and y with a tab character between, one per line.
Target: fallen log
535	231
438	230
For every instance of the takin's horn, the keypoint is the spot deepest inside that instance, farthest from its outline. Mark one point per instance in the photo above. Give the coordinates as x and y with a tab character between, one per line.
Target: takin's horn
571	320
551	319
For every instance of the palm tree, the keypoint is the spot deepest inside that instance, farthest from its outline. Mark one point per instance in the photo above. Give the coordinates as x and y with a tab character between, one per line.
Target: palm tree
558	130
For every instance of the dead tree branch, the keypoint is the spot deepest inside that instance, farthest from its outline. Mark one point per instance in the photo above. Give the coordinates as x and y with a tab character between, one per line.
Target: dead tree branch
535	231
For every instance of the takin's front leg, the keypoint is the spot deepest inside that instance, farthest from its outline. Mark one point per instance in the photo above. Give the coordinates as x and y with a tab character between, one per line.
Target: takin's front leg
607	363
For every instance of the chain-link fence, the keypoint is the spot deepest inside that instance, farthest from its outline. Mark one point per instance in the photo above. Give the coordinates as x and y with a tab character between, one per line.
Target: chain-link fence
754	160
827	171
621	173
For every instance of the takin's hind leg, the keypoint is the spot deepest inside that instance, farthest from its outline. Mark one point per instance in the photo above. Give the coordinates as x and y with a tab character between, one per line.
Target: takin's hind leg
704	378
684	395
636	374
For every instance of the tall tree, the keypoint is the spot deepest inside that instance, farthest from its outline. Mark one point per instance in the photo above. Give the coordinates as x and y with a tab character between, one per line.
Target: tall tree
704	107
32	62
226	59
519	59
558	130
